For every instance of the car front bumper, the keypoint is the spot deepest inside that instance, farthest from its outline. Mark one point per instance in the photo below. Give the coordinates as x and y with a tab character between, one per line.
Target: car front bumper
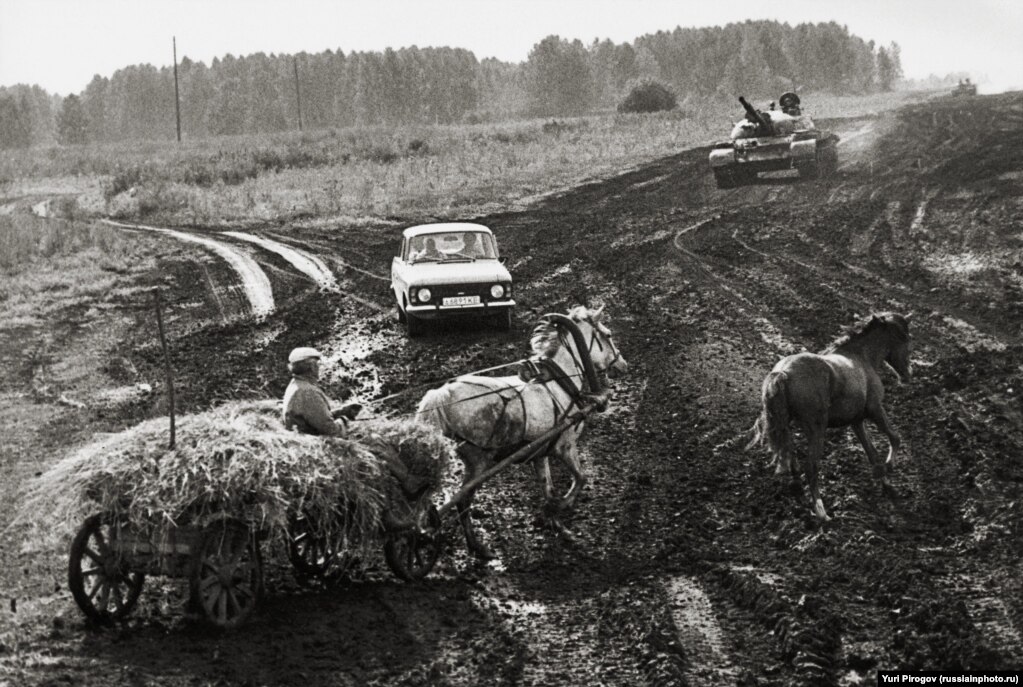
436	310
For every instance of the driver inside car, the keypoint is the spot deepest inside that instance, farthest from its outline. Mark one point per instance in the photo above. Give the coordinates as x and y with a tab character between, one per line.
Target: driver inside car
473	248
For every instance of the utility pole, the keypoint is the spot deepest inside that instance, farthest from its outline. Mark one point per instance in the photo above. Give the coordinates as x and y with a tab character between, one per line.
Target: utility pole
298	93
177	100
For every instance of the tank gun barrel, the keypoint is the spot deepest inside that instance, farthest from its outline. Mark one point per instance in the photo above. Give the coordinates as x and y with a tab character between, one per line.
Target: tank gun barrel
756	117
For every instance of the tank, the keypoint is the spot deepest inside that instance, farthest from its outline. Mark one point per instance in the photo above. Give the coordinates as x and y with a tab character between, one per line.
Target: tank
773	140
965	88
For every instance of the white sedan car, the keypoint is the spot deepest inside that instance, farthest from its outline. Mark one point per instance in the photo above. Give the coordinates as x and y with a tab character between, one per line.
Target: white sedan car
450	270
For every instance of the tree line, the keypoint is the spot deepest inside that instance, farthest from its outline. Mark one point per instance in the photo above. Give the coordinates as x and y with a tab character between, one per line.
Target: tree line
257	93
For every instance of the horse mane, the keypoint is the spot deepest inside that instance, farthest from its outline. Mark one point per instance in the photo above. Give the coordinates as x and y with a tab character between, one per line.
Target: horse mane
861	327
546	337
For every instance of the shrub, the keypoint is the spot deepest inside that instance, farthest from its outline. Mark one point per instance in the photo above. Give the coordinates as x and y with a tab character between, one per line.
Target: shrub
123	180
268	159
380	152
648	96
554	127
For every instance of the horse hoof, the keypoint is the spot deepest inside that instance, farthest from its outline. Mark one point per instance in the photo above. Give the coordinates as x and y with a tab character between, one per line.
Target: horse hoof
564	532
820	513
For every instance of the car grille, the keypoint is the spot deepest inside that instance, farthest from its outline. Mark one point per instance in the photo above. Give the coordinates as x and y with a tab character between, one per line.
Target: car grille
481	289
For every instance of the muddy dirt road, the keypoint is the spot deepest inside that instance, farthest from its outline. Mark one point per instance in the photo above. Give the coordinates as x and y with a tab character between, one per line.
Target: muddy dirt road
692	565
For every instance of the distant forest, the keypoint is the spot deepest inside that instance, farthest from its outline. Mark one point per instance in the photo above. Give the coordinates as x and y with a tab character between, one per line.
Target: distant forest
257	93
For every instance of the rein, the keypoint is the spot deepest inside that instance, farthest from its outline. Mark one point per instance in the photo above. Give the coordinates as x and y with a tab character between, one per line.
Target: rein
582	363
399	394
488	392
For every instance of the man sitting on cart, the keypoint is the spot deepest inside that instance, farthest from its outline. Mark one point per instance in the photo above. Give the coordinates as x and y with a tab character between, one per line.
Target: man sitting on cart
307	410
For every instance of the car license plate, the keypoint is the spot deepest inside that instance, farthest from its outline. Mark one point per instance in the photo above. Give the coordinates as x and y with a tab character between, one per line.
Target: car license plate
462	300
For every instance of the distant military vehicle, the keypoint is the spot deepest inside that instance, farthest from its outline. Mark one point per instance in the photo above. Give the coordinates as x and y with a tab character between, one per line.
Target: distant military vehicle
965	88
772	140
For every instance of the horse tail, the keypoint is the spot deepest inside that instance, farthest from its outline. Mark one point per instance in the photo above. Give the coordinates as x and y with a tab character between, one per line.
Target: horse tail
772	427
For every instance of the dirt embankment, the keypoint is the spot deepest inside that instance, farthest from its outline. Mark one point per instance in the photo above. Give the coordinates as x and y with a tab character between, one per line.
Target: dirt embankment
691	563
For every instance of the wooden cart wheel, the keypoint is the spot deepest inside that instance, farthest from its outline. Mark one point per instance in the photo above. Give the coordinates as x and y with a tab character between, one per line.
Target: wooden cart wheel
227	581
101	582
314	556
412	553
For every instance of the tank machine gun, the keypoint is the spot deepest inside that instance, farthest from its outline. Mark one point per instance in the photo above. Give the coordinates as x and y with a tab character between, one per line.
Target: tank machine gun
770	141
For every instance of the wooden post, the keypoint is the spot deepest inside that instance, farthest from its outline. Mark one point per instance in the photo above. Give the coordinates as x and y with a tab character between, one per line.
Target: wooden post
166	361
298	93
177	102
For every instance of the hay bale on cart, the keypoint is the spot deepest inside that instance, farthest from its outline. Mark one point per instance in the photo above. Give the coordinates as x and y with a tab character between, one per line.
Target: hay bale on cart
235	478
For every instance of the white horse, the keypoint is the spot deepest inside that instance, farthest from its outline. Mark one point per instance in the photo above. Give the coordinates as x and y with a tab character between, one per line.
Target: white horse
491	417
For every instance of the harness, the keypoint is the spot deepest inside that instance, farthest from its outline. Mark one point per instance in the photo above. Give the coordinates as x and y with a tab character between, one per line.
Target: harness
594	339
545	371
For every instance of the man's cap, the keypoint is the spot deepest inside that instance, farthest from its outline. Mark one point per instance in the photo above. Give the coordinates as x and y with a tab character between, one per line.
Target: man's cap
304	353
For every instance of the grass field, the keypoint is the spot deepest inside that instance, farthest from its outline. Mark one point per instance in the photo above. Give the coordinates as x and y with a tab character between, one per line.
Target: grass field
439	171
49	265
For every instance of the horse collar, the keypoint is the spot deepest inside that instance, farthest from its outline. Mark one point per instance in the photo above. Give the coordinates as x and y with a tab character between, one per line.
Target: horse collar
556	374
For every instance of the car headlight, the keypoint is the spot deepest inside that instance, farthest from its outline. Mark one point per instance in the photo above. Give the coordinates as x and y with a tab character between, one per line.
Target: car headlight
496	291
424	295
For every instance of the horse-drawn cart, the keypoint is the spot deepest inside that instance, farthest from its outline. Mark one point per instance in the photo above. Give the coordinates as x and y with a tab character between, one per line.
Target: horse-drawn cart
204	510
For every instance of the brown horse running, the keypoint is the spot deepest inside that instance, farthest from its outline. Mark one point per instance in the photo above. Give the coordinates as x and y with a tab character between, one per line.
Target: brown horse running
837	388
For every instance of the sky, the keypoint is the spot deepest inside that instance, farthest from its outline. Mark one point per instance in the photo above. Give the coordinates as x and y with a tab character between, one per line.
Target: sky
61	44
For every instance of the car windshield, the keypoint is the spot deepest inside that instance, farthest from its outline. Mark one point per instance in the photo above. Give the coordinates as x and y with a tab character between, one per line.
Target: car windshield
456	245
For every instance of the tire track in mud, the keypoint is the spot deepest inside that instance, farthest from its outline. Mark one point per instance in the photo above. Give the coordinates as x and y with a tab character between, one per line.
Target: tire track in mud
306	263
335	259
838	292
561	642
346	287
699	633
769	333
917	225
254	282
990	613
966	335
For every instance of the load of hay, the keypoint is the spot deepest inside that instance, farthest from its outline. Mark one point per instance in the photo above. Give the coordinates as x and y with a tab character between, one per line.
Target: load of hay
238	460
